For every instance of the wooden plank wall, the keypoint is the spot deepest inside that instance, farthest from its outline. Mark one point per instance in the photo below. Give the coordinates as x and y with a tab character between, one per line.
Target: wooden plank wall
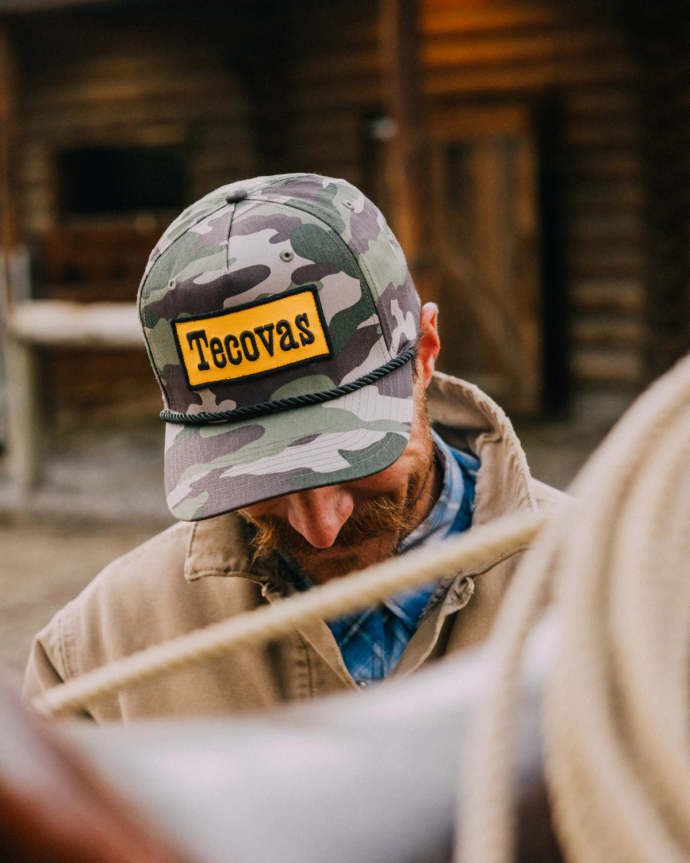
125	79
119	77
505	52
126	76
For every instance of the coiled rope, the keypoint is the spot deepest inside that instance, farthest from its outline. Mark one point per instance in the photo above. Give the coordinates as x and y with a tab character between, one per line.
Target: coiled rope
616	710
479	549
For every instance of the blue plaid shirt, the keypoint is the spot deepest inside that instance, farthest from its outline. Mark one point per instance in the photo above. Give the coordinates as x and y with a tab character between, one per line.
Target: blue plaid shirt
372	641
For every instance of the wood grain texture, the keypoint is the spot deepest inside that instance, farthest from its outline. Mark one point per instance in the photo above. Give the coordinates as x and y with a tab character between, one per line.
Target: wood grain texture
514	55
180	81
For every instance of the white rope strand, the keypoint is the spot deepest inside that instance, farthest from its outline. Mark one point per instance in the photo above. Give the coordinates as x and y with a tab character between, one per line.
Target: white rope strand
478	549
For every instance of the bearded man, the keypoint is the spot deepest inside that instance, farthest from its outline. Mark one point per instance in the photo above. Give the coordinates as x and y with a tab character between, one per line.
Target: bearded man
307	436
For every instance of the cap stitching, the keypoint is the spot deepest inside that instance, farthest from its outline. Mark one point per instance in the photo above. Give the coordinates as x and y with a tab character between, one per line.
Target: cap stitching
230	224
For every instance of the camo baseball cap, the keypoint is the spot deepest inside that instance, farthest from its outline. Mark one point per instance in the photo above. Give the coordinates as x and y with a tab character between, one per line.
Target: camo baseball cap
280	319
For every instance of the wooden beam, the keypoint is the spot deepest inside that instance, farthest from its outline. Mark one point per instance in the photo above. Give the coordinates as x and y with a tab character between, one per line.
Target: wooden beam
23	426
409	171
60	323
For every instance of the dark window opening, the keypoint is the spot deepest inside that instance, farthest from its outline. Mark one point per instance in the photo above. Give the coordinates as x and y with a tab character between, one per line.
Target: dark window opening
101	181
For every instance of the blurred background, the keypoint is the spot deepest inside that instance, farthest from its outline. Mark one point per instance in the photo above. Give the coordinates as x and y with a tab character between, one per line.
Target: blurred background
531	155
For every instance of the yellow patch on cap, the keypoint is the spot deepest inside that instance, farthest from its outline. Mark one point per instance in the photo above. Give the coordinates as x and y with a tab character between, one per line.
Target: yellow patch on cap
255	339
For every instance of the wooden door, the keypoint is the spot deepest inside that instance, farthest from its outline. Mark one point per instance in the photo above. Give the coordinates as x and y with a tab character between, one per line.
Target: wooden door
486	212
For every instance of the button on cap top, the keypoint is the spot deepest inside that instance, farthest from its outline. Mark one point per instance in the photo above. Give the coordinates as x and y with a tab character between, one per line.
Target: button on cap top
236	197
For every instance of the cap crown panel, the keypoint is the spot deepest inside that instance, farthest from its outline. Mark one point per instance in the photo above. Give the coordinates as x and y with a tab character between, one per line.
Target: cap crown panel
349	310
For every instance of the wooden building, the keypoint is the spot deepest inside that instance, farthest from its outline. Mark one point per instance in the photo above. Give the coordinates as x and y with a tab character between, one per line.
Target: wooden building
555	200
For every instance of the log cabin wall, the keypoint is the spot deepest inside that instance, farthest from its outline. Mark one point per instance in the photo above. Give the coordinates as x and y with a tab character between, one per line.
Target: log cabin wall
131	80
271	85
117	78
568	60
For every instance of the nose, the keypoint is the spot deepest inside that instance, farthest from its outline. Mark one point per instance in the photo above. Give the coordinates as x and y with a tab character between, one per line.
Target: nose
318	514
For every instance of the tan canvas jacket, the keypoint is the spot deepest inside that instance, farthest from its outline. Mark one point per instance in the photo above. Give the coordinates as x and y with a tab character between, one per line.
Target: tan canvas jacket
193	575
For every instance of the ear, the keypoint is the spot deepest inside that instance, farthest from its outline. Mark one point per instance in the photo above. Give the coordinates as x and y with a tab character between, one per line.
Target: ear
428	344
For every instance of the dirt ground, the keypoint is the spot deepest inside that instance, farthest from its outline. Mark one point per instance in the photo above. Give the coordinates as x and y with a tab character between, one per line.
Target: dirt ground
42	567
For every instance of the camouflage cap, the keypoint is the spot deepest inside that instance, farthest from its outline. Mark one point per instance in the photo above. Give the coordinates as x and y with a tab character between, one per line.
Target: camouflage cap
280	319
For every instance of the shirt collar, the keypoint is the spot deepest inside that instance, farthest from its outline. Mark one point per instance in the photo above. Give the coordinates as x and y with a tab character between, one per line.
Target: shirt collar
438	523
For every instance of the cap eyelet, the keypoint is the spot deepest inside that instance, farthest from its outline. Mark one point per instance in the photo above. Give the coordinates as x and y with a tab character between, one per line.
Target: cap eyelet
287	255
172	284
349	205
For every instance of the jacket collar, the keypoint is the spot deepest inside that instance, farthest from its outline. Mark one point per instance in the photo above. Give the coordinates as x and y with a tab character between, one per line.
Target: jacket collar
463	415
220	546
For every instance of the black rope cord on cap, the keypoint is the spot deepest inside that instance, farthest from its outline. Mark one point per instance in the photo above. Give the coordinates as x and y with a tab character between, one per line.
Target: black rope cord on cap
206	417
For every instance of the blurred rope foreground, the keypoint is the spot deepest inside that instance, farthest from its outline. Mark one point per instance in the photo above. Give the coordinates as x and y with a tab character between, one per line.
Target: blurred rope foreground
478	550
616	571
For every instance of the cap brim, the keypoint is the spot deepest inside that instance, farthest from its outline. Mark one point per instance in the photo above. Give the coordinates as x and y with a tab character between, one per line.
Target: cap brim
221	467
